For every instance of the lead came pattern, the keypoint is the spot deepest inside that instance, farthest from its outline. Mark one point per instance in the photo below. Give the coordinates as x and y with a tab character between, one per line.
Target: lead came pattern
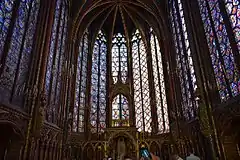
98	84
184	60
224	66
141	84
119	58
159	84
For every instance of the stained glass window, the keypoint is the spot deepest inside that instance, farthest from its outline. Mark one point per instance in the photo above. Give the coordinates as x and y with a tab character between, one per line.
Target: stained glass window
98	84
220	45
17	59
141	84
159	85
184	60
55	61
6	8
120	111
119	58
233	10
80	89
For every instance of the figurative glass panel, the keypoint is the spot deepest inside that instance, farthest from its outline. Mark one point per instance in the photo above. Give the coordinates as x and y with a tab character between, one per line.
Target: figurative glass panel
98	84
233	10
221	53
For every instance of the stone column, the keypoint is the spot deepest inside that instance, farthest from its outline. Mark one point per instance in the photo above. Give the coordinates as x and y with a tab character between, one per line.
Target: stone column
230	148
41	150
14	151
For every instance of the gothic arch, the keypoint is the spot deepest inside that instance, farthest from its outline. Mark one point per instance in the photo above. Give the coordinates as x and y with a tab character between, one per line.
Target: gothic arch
124	134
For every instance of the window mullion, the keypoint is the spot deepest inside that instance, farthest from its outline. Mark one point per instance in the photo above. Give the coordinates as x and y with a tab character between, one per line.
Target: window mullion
26	25
80	83
140	73
229	30
159	81
219	50
98	90
191	88
9	35
176	20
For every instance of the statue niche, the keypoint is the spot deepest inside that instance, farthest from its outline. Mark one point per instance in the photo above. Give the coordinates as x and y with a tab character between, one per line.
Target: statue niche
121	147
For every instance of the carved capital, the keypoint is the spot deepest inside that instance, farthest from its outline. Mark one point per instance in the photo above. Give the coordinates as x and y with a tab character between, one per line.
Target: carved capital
43	99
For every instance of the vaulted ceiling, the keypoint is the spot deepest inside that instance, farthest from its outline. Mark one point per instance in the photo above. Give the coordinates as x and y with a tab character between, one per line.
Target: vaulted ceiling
114	16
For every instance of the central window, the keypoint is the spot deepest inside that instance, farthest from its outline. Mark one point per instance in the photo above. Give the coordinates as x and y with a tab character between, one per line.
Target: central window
119	58
131	92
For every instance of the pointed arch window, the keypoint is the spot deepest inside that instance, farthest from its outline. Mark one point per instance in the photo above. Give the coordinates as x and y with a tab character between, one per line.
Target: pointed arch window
98	84
55	62
141	84
119	58
120	111
159	85
80	89
184	60
223	42
15	58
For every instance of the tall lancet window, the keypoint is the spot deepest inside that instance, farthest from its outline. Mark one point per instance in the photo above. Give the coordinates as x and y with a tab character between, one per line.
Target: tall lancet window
141	84
223	42
119	58
184	60
98	84
120	111
159	85
80	88
16	52
55	62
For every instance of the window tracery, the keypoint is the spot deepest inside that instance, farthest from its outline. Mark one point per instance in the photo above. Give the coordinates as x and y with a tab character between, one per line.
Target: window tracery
119	58
120	114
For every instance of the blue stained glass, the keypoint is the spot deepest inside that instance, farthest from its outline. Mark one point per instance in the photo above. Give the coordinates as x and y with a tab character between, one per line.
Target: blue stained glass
98	84
27	49
233	10
226	73
80	91
6	7
52	47
8	75
12	66
55	62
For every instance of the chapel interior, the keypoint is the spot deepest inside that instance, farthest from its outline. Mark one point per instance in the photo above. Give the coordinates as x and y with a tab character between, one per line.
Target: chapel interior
91	79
